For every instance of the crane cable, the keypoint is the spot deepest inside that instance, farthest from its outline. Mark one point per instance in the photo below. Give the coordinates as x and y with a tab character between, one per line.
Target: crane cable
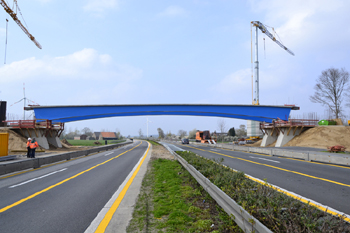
7	22
264	49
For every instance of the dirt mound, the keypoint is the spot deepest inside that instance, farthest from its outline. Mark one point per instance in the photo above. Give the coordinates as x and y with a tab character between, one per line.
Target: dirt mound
323	137
65	143
16	141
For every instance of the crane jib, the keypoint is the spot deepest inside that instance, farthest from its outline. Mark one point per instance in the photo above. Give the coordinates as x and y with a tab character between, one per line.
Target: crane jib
264	30
15	18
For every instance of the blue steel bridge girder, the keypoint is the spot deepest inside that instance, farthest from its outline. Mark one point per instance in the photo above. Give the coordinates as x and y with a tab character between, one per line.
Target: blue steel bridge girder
69	113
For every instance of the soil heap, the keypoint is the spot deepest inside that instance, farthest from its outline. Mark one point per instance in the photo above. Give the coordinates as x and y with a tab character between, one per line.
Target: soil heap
323	137
16	141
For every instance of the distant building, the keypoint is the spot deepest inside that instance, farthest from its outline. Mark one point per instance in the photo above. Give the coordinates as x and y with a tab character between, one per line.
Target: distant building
96	135
77	138
83	137
105	136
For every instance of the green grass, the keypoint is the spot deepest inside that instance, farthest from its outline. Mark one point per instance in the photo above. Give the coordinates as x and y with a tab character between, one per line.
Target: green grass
171	200
153	142
91	142
339	152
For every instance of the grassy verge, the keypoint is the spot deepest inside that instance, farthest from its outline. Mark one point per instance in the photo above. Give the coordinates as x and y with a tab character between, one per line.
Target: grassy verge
153	142
91	142
171	200
275	210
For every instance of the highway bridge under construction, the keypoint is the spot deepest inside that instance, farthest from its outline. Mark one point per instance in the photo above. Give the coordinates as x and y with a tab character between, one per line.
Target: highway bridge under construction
49	120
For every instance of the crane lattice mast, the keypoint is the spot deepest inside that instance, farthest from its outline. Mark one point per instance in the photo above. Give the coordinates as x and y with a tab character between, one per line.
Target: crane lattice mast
15	18
259	25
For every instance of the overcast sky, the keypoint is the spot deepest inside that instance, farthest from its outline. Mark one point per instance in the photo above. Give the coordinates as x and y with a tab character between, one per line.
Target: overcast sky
159	51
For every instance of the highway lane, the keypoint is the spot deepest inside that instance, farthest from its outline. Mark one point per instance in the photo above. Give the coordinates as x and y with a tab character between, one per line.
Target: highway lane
65	197
324	183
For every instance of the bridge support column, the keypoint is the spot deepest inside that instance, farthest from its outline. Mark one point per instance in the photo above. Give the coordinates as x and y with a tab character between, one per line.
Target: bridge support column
286	135
40	136
54	140
270	136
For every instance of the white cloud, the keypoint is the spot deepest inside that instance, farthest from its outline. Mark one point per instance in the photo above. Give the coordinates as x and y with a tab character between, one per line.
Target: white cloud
173	11
86	64
98	7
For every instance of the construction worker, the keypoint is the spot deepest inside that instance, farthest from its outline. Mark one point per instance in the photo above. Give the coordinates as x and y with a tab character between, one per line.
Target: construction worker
33	145
28	147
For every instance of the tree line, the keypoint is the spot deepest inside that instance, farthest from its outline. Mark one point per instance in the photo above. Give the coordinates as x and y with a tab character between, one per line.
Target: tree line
70	133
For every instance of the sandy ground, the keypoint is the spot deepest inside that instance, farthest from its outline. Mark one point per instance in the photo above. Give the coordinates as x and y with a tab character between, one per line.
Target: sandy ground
319	137
16	141
323	137
160	152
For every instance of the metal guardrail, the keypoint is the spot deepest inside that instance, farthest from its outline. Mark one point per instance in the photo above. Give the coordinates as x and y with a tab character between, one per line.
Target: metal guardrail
37	162
243	219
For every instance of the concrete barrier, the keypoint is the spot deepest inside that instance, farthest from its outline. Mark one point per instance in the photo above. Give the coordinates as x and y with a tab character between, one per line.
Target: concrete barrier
38	162
291	154
341	159
323	157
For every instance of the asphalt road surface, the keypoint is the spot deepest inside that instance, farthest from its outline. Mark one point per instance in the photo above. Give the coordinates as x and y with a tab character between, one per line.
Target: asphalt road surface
65	197
326	184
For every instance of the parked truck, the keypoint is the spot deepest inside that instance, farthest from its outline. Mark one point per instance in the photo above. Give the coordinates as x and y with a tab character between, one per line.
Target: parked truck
204	137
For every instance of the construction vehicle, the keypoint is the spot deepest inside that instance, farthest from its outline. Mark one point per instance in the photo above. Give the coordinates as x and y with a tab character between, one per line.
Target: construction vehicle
204	137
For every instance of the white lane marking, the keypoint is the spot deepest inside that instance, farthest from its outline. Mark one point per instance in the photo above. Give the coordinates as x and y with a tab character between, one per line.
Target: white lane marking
40	177
265	159
109	153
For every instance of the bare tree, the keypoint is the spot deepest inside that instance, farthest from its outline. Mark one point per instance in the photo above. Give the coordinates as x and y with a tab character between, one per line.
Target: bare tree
329	89
117	133
182	133
160	133
241	132
222	127
87	131
140	133
192	134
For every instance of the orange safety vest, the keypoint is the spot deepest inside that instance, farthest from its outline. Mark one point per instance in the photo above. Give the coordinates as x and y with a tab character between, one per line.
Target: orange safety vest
28	143
33	145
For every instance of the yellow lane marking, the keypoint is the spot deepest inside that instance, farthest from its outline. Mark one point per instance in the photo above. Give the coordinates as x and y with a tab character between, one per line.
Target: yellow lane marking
322	208
49	165
107	218
325	164
300	160
61	182
278	168
301	199
44	166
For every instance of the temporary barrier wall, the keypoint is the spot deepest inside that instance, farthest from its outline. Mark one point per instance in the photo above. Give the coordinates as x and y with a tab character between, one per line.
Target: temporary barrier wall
4	144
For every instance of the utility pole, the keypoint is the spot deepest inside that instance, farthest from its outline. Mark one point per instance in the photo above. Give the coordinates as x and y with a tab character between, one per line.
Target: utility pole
147	126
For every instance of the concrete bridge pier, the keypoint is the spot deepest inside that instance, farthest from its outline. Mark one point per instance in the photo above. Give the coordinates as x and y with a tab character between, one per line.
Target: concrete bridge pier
270	136
42	136
286	135
284	131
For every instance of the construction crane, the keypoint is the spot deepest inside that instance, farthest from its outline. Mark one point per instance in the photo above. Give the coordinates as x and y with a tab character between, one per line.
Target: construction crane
259	25
15	18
